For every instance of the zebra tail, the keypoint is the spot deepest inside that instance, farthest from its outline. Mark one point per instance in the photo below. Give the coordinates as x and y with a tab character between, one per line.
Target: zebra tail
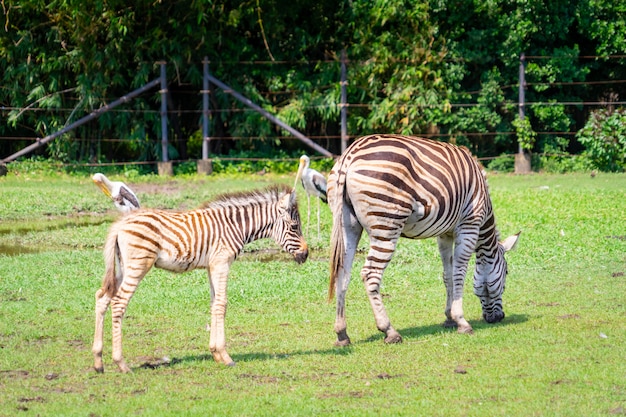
337	244
110	282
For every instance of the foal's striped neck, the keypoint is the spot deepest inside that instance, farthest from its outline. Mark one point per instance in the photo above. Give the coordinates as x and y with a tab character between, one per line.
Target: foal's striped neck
253	212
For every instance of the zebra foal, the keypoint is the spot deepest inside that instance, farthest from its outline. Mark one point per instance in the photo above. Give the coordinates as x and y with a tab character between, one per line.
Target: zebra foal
210	237
393	186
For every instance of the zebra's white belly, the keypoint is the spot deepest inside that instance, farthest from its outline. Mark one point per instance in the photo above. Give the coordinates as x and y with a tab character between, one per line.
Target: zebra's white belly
174	265
177	263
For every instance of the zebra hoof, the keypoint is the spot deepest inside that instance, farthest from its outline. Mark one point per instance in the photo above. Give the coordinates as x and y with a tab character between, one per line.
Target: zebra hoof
123	367
99	370
393	338
494	318
465	330
342	342
342	338
231	364
449	324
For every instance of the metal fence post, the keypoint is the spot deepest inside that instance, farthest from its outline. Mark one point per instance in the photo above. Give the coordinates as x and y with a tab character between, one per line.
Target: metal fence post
163	92
522	160
521	93
204	166
205	108
164	167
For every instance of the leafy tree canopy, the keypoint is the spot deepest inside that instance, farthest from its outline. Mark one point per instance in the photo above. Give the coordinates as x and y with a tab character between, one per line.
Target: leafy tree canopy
443	68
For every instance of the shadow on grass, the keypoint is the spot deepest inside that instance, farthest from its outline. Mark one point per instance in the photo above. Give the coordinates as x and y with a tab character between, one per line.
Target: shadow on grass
246	357
256	356
418	332
408	333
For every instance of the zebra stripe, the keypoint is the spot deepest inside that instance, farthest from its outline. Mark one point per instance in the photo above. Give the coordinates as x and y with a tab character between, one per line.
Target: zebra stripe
210	237
393	186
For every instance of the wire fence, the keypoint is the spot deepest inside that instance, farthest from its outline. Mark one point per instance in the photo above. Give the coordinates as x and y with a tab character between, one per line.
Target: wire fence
333	137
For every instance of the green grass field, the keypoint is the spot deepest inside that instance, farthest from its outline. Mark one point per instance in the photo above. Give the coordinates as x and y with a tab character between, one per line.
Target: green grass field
561	350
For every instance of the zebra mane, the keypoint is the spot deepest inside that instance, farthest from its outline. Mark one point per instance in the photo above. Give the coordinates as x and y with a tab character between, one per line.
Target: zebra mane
270	194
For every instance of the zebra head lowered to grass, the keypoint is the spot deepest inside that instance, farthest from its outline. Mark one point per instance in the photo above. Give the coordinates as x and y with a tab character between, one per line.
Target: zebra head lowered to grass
210	237
393	186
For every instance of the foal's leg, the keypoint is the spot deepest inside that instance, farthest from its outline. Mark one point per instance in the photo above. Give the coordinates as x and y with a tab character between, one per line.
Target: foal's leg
103	300
119	303
212	295
218	274
102	305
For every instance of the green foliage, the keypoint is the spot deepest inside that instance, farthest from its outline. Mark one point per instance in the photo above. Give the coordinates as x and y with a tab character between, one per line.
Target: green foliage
194	144
598	22
414	66
564	163
604	137
248	163
525	134
400	77
36	166
504	163
185	168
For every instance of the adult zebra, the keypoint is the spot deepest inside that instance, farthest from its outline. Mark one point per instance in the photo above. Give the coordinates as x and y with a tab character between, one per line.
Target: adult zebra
392	186
210	237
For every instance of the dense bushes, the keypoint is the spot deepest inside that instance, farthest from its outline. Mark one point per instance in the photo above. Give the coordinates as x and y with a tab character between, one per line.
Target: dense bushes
604	136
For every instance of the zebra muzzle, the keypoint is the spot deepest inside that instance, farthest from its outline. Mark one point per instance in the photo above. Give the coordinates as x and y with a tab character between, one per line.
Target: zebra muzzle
301	256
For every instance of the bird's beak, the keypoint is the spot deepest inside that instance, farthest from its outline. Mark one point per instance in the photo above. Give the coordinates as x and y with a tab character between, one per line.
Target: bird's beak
298	175
104	189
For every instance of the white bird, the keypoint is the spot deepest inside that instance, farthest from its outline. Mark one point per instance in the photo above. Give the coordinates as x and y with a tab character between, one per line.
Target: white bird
314	184
123	197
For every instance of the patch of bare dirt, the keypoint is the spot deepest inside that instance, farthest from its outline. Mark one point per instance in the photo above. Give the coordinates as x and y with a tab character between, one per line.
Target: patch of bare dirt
261	379
167	188
351	394
14	374
569	316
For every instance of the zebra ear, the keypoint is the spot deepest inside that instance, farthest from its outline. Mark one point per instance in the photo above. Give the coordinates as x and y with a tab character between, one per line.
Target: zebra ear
288	200
293	198
510	242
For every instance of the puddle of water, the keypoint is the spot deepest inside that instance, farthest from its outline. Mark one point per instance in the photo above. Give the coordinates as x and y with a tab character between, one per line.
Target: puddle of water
22	228
14	250
44	226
